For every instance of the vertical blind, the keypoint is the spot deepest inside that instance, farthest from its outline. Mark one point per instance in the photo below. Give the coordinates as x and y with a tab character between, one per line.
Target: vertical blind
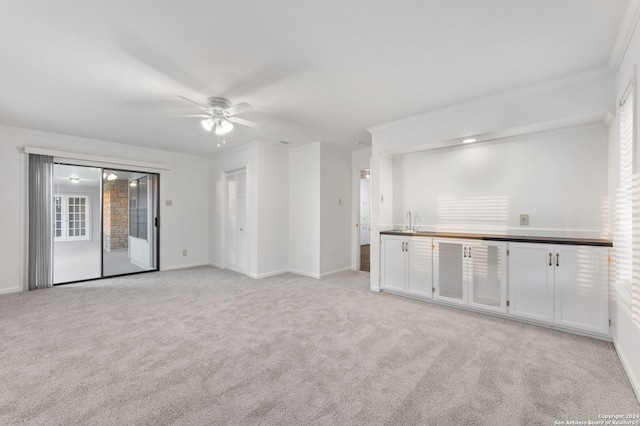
627	236
40	221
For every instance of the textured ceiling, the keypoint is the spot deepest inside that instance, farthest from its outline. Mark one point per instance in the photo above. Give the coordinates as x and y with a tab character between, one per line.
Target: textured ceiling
313	71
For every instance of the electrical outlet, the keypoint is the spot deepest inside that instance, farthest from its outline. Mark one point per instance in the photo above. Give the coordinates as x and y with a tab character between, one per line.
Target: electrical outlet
524	219
184	252
168	203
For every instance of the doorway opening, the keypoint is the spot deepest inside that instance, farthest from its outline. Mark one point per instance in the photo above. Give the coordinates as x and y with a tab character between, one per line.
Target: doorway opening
236	235
364	224
105	222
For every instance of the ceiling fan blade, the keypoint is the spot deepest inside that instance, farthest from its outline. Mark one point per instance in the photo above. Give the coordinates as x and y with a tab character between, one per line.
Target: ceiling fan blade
202	107
244	122
192	115
238	108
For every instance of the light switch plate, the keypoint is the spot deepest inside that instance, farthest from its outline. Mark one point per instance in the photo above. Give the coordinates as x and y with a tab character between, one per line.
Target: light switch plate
168	203
524	219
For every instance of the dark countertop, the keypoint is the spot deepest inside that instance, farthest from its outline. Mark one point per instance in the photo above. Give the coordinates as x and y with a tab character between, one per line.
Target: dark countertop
507	238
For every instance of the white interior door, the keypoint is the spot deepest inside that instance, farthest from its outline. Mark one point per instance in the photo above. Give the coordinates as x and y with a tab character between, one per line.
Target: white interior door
236	235
365	216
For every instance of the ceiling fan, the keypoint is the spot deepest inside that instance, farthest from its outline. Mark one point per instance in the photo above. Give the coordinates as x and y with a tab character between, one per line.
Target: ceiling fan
219	115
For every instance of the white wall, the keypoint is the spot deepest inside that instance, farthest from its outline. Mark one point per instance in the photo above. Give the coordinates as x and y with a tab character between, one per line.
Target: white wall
626	332
183	226
267	206
273	208
556	105
335	211
304	210
557	177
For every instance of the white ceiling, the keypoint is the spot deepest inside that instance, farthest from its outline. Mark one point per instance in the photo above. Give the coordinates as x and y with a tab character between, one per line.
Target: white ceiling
313	71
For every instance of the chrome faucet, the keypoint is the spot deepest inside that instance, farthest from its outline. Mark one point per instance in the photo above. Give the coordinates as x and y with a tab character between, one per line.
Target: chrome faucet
409	216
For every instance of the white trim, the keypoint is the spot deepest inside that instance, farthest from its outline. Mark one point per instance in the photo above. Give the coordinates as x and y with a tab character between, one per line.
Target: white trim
11	290
176	267
625	32
97	158
587	76
348	268
268	274
305	274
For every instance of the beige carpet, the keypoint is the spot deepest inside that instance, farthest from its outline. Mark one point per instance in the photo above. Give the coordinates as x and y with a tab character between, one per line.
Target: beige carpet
205	346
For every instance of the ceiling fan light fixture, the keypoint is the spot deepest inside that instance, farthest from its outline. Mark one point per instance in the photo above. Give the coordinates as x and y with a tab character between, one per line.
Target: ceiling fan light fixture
207	123
223	126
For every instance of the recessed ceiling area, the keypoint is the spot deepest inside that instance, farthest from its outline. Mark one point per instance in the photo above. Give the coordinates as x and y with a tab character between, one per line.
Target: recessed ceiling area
323	71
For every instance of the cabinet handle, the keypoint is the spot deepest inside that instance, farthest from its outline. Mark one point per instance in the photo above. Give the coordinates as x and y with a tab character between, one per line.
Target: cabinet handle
469	252
550	259
557	259
465	252
403	246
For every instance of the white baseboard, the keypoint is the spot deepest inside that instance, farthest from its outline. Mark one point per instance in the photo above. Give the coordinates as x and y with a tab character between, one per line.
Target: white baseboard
348	268
318	276
215	265
190	265
304	273
10	290
268	274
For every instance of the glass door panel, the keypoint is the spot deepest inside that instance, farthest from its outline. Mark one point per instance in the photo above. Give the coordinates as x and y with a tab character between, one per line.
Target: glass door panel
76	223
487	275
450	270
129	230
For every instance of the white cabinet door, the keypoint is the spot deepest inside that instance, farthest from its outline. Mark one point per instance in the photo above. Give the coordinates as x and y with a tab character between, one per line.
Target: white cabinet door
449	258
531	287
393	263
581	287
420	276
487	275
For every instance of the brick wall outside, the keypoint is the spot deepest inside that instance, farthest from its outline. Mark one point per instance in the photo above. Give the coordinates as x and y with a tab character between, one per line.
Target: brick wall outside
116	214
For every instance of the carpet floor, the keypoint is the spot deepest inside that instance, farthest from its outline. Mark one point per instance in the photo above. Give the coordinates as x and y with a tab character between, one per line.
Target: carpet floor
209	346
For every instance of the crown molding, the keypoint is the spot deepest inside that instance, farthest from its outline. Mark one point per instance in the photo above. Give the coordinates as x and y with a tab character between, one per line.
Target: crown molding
625	32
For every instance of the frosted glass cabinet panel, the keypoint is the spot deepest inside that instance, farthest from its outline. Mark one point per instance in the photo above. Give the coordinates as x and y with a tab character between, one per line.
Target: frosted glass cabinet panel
472	273
487	275
449	270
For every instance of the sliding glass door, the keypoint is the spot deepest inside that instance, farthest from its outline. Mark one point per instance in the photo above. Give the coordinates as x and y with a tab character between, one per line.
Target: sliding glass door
105	222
